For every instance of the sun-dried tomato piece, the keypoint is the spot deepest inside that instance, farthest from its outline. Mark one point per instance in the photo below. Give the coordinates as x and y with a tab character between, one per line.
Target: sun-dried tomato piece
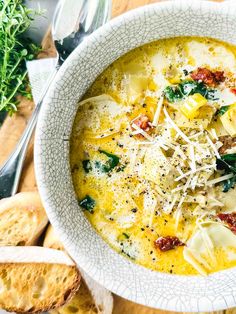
219	76
228	142
143	122
233	90
165	244
229	219
207	76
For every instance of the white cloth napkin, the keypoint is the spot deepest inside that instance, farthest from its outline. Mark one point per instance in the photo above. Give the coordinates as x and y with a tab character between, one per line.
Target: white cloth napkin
39	72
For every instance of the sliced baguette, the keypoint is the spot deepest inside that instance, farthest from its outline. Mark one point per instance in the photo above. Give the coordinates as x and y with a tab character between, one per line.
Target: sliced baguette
91	297
51	240
36	279
22	219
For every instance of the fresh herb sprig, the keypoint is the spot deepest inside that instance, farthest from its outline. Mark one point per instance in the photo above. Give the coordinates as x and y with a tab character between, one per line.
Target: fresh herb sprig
15	50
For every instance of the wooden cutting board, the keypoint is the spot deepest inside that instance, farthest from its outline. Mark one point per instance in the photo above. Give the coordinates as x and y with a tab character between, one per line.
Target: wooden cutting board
13	127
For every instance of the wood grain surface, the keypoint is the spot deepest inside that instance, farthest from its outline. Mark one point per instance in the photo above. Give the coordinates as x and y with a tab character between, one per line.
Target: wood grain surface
13	127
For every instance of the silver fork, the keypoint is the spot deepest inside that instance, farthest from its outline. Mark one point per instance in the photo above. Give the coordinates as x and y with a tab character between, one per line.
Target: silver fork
85	16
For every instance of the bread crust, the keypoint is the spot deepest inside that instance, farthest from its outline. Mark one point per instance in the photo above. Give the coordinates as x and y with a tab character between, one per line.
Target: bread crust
32	282
24	215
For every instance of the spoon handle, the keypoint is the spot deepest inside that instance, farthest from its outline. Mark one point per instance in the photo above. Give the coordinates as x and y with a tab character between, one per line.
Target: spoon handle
10	172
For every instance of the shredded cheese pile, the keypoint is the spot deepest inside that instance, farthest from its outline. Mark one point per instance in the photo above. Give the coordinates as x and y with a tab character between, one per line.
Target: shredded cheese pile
190	166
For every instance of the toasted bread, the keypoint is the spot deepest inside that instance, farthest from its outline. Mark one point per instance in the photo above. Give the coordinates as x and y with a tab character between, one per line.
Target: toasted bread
81	303
22	219
51	240
91	297
36	279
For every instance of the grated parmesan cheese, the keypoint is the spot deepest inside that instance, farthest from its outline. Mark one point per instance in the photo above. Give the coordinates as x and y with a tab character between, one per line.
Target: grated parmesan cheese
213	146
158	111
220	179
140	131
197	170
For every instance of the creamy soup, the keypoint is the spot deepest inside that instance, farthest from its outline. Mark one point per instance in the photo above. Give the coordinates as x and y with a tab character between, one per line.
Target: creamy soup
153	155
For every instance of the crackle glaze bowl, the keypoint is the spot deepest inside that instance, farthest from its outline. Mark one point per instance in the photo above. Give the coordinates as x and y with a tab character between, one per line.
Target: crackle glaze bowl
159	290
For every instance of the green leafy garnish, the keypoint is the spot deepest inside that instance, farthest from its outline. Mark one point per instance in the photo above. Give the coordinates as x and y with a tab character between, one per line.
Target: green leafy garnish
87	165
230	158
15	50
228	164
88	203
229	184
178	92
111	163
173	93
222	110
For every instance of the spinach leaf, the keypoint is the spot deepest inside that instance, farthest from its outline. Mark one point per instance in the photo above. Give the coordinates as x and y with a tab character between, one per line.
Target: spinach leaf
87	165
227	163
173	93
223	165
212	94
111	163
189	88
228	184
178	92
222	110
230	158
88	203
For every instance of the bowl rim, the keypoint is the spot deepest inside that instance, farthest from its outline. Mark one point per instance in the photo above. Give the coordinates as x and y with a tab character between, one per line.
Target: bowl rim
219	303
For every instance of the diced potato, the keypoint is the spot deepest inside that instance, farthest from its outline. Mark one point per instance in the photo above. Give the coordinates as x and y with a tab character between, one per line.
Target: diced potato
229	120
191	105
152	85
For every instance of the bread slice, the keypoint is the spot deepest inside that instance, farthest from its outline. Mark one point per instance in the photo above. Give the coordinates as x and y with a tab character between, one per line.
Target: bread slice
36	279
81	303
51	240
91	297
22	219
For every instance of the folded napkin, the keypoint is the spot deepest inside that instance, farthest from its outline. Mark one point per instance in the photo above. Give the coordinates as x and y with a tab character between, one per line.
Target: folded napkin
39	73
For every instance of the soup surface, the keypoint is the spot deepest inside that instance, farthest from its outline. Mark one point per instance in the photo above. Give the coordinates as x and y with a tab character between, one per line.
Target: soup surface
153	155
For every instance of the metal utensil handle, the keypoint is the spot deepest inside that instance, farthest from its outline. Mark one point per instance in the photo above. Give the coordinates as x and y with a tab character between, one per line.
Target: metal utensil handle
11	170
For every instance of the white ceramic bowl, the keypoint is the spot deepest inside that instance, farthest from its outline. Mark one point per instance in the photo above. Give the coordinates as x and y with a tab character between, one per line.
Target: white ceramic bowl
116	273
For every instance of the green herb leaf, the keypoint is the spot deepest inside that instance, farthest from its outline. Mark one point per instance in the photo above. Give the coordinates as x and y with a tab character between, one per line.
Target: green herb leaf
173	93
227	163
111	163
228	184
178	92
189	88
229	158
87	165
15	19
88	203
222	110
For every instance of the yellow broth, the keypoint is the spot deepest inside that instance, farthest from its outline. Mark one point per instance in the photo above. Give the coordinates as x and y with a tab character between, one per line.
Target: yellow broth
132	200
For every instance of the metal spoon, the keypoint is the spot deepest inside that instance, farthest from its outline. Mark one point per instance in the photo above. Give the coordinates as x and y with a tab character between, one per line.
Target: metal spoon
73	21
